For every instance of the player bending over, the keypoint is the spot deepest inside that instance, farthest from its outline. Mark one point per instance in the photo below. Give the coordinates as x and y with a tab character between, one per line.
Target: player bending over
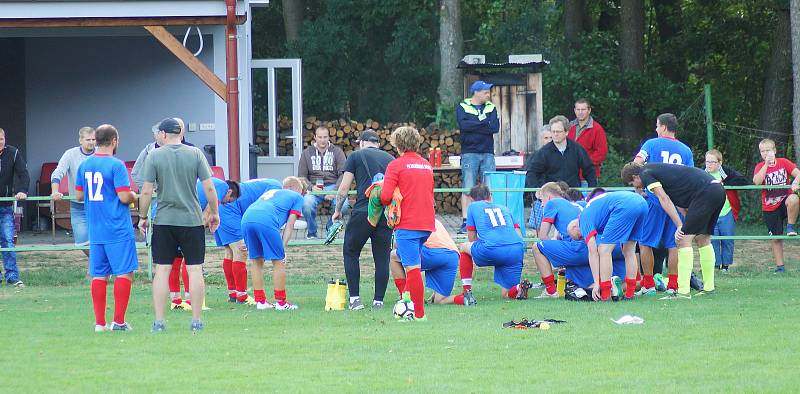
608	220
439	263
494	240
700	195
261	228
102	182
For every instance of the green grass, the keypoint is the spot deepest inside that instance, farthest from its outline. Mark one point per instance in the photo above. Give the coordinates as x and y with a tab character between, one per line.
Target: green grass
740	339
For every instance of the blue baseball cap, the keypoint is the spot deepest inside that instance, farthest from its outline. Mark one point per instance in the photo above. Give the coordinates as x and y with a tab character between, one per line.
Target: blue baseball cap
479	85
219	185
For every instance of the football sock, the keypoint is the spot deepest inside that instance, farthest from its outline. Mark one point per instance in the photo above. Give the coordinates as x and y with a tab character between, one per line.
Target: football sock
417	290
685	262
99	301
549	284
605	290
122	294
672	281
227	269
707	265
400	283
185	278
280	296
260	296
240	277
630	287
648	281
459	299
465	270
175	277
512	292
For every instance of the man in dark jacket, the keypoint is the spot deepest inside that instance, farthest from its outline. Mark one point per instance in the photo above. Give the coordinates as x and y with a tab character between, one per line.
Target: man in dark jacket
14	181
477	123
560	160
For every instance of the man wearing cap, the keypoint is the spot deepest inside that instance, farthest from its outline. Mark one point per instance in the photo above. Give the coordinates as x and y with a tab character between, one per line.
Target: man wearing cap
179	221
321	165
478	122
366	165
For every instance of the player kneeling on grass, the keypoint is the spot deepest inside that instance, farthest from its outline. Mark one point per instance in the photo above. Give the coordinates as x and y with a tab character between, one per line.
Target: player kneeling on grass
494	240
610	219
103	183
235	198
261	228
439	263
697	192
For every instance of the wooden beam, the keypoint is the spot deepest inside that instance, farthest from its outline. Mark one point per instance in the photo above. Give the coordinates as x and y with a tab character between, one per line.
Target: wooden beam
173	45
117	22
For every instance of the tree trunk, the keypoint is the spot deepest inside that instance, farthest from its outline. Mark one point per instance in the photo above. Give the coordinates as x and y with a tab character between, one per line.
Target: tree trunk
293	18
669	21
776	103
609	16
795	30
574	22
451	49
631	50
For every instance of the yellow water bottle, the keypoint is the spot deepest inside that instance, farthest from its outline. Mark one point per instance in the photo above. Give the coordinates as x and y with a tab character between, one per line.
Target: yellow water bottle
562	283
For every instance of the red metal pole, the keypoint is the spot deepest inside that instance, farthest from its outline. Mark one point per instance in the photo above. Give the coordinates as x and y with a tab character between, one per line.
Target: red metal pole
232	72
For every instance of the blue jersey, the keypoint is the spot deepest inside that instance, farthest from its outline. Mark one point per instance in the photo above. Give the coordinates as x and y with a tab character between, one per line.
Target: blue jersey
493	223
594	217
251	190
559	212
100	177
274	207
666	150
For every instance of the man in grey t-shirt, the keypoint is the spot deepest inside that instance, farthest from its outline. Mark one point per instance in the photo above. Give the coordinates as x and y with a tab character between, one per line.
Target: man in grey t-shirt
178	221
68	165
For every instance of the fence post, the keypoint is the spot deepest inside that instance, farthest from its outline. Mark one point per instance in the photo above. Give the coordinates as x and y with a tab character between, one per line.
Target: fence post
709	116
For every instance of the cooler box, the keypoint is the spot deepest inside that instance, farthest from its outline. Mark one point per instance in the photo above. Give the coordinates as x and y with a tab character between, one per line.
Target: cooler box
512	200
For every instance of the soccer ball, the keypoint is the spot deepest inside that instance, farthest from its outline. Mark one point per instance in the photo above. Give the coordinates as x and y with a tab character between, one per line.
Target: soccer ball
403	309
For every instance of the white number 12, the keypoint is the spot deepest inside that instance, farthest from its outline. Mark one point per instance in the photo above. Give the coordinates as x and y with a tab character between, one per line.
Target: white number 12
94	192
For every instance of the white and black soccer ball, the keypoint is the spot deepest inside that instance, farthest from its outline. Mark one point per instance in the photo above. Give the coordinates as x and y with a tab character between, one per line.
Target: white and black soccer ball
403	310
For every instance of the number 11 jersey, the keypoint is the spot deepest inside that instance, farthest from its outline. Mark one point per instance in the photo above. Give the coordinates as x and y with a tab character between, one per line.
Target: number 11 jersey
493	223
100	177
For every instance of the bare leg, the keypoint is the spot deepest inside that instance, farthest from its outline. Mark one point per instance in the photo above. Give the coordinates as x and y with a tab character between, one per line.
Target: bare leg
257	265
777	251
396	266
672	261
197	289
792	208
631	266
278	275
161	289
545	269
646	255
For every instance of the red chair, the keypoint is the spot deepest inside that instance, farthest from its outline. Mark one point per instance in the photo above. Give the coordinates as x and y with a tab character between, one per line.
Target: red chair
60	211
218	172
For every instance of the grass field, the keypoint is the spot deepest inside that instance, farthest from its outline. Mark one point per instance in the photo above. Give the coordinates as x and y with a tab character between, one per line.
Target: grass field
740	339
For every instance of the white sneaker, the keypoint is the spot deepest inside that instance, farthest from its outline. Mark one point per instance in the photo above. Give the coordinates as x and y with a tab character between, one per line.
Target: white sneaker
545	294
285	306
263	305
100	328
646	291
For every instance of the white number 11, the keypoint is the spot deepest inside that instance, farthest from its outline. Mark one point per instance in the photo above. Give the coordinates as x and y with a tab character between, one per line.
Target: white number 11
495	216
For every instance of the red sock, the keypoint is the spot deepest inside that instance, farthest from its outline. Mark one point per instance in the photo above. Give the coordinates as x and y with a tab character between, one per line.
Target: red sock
175	275
649	282
185	277
227	269
260	296
465	269
549	283
512	292
459	299
240	277
639	276
605	290
280	295
417	290
630	287
672	281
99	301
401	284
122	294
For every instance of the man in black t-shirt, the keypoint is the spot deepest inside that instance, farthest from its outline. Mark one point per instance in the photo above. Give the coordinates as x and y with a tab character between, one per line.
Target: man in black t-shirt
366	165
700	196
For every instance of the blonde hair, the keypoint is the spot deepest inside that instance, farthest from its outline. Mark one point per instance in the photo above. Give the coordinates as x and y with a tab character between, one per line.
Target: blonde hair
83	131
406	139
765	142
715	153
294	182
551	188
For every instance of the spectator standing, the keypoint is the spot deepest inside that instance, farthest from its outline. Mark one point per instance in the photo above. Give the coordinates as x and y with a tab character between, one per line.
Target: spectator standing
68	164
560	160
478	122
726	224
321	165
590	135
536	207
14	181
365	166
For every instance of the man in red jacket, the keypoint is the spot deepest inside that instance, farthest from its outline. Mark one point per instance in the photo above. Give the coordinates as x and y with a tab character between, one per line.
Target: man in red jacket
590	135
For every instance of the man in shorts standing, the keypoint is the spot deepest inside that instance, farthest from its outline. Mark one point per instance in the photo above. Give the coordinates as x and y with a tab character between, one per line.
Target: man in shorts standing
101	182
179	221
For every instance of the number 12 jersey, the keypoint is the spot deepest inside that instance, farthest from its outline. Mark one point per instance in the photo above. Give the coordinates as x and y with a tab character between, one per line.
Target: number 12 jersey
100	177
